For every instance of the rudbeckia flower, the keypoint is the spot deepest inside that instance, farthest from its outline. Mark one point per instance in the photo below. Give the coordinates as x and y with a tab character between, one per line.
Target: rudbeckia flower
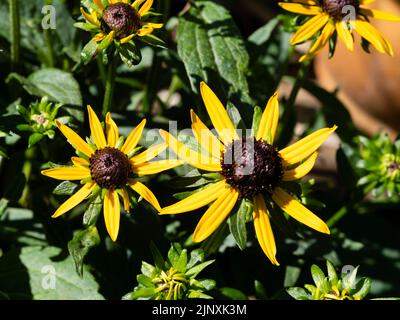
109	166
118	21
341	17
249	167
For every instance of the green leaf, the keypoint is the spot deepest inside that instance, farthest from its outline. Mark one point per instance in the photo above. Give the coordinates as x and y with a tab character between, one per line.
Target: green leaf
89	52
362	288
154	41
196	256
3	205
181	263
299	293
233	294
261	293
332	275
157	256
58	85
80	245
144	280
193	294
174	253
212	50
193	272
147	269
65	188
317	274
349	280
256	120
263	34
39	274
237	223
292	274
34	138
92	212
142	293
130	54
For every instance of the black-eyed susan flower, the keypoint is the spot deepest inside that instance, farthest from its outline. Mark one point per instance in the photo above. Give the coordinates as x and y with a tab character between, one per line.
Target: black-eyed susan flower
329	18
109	166
249	167
117	21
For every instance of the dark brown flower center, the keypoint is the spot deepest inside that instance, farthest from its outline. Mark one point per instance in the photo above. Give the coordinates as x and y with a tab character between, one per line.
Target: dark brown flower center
121	18
337	9
251	166
109	168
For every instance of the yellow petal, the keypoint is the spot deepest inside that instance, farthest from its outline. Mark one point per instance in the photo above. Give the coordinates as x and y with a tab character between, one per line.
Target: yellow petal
377	14
199	199
112	213
372	35
345	35
320	43
301	8
205	137
126	199
137	3
215	215
127	39
145	193
147	168
112	131
67	173
307	2
154	25
297	211
194	158
310	28
134	137
91	18
219	117
75	139
144	31
305	147
74	200
145	7
263	229
269	120
366	1
99	4
96	129
300	171
149	154
79	161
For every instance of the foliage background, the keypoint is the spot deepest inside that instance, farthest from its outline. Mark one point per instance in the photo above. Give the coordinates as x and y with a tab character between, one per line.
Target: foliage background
243	58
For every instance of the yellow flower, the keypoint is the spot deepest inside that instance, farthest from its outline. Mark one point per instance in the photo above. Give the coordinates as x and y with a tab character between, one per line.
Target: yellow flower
109	166
340	16
231	156
120	20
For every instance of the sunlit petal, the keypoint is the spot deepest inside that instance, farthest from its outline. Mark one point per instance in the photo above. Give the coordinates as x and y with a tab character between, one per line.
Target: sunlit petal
96	129
147	168
67	173
112	213
134	137
145	193
301	170
269	120
112	131
75	139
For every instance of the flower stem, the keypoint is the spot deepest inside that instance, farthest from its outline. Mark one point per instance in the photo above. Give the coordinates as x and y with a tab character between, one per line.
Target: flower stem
290	110
109	87
337	216
15	33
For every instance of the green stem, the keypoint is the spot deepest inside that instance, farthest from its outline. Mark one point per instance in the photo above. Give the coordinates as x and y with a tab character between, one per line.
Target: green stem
109	87
50	51
15	33
30	155
337	216
290	110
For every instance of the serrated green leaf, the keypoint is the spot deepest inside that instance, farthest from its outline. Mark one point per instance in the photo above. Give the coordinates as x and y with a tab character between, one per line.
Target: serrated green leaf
39	274
211	48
